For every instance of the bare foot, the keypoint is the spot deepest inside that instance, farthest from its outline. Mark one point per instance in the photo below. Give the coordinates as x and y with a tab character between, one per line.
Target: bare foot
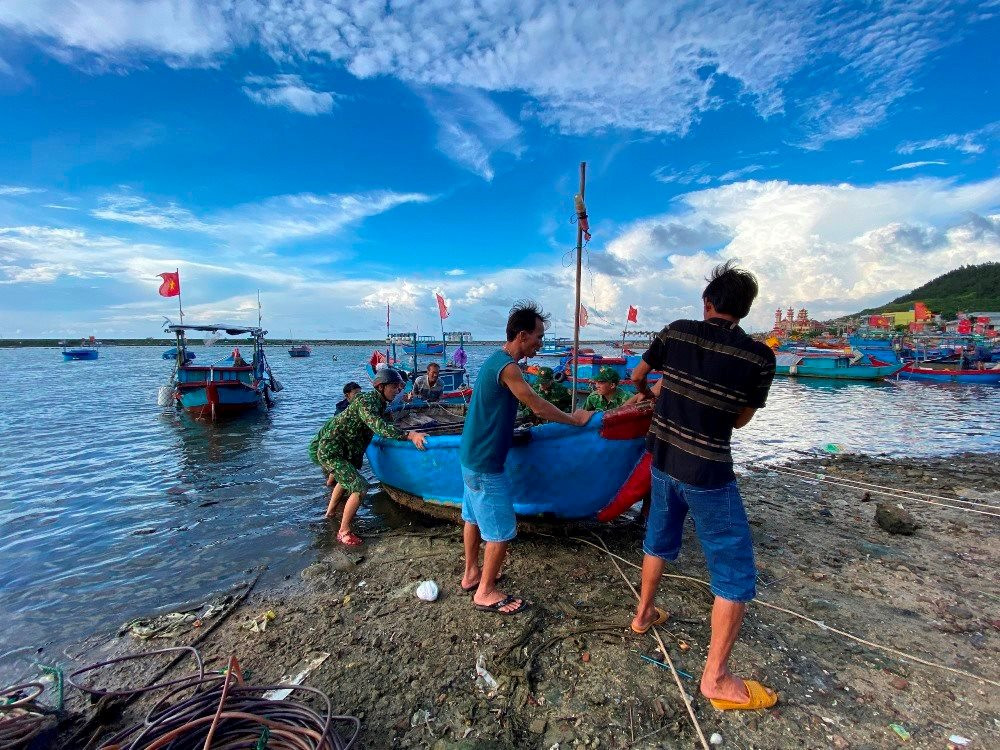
495	596
330	481
726	687
471	578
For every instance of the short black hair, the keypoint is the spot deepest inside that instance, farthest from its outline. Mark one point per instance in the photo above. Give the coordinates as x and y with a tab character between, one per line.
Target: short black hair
524	316
352	386
433	364
731	290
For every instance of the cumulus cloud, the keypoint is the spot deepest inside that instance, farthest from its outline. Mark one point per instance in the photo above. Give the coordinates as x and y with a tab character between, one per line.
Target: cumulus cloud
288	91
276	220
647	65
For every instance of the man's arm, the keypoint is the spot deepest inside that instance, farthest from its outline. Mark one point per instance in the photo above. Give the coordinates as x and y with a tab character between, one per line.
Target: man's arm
511	377
639	374
745	415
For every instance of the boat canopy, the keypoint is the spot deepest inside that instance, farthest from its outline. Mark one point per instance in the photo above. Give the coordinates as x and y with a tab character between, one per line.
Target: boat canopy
783	359
214	327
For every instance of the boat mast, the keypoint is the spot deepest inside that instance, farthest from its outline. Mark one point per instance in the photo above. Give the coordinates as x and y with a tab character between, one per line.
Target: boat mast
575	354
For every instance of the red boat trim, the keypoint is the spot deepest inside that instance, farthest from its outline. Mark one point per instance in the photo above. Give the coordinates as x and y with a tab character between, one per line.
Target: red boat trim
638	485
626	423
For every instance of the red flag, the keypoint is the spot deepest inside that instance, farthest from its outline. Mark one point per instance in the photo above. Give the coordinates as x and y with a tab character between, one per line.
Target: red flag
442	307
171	285
583	317
633	314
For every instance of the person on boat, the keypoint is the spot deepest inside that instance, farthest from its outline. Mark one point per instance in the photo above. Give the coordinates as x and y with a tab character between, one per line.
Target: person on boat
715	377
342	449
428	386
607	394
545	386
488	497
351	391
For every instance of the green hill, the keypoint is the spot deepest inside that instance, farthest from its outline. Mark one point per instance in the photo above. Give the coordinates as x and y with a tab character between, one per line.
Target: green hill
966	288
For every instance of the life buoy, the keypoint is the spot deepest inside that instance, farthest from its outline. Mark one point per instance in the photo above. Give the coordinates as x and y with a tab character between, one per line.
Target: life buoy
559	377
638	485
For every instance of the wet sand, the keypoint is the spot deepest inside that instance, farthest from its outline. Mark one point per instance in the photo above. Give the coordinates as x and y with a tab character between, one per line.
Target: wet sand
570	673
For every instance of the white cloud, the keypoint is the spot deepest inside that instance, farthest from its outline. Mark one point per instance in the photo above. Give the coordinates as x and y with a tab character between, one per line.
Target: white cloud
646	65
18	190
455	272
697	174
290	92
276	220
916	165
967	143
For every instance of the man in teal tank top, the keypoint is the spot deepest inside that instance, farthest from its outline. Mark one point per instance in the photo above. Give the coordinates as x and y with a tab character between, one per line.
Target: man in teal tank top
488	499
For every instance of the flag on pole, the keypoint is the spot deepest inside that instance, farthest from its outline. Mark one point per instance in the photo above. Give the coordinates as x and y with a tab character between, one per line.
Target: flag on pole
442	307
633	314
583	317
171	286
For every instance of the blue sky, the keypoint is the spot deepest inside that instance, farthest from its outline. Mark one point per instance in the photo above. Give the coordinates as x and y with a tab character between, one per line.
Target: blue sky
341	155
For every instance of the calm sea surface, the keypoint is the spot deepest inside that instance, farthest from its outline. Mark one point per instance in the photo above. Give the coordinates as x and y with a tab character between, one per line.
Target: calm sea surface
112	507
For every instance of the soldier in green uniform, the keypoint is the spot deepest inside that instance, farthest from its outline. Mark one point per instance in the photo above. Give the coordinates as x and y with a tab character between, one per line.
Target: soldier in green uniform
545	386
606	394
342	448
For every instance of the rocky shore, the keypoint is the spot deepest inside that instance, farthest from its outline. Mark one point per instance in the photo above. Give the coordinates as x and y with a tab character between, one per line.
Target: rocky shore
570	674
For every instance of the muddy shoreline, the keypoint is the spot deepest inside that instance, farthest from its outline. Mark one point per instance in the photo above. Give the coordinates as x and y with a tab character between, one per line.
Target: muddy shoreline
570	674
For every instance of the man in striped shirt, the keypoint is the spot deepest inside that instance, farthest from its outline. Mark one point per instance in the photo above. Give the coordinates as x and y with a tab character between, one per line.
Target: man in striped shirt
714	378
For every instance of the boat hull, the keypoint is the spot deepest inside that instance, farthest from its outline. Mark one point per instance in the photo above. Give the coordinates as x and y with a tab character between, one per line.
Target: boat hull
219	392
80	354
425	349
857	372
981	377
556	470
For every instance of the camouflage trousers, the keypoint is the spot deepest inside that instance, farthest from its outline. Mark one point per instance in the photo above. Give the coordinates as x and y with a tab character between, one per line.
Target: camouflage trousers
344	470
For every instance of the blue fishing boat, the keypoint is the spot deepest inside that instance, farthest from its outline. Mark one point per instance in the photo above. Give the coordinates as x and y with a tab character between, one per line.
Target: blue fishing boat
933	372
559	347
171	353
453	375
424	345
834	366
589	365
228	387
86	350
560	471
302	350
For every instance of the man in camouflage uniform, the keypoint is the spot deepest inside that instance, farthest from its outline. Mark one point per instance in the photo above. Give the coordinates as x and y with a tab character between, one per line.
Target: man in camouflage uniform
341	449
545	386
606	394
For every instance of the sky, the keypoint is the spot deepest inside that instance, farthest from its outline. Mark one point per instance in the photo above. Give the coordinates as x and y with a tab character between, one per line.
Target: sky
338	156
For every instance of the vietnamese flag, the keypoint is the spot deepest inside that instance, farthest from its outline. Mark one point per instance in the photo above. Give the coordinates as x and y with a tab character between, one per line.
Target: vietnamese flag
582	317
171	286
633	314
442	307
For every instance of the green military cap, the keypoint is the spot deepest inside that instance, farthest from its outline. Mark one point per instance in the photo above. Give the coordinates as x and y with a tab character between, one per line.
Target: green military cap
606	375
545	375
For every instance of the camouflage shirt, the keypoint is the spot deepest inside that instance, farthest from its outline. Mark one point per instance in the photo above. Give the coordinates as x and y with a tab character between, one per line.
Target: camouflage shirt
596	402
558	395
348	434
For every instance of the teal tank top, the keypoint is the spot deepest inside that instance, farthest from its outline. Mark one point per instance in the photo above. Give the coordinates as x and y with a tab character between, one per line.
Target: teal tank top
489	425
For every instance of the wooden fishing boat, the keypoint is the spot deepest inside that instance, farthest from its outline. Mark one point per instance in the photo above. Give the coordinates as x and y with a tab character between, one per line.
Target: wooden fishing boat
842	367
454	378
301	350
589	365
946	373
558	471
559	347
424	345
228	387
87	350
171	353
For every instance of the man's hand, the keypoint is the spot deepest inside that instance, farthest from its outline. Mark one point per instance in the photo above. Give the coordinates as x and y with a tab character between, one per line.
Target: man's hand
581	417
418	439
640	397
408	397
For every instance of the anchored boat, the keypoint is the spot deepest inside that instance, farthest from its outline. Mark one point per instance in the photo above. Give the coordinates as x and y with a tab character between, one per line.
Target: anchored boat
837	367
302	350
945	373
227	387
559	471
452	374
86	350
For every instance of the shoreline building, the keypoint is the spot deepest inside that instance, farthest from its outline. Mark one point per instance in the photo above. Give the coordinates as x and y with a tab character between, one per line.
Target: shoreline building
794	323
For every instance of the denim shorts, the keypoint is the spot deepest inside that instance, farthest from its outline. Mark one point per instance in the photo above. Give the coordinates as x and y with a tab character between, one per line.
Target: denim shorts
721	524
487	502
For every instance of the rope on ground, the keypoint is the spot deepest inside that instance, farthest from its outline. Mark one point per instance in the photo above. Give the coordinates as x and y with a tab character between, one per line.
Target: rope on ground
663	647
818	623
907	494
814	478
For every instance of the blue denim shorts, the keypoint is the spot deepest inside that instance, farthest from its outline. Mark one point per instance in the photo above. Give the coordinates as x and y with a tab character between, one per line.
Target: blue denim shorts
721	524
487	502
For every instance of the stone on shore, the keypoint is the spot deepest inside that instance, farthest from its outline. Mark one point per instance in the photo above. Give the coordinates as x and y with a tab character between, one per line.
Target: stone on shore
895	520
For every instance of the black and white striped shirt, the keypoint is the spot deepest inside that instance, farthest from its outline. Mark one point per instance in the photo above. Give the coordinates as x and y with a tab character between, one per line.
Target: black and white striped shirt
711	371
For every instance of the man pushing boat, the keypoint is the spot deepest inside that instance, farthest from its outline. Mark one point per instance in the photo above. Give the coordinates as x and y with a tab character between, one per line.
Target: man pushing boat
488	497
714	378
342	448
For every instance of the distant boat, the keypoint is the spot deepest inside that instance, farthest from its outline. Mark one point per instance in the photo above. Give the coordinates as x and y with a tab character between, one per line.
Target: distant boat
835	367
454	378
943	373
560	471
86	350
172	354
229	386
560	347
302	350
425	345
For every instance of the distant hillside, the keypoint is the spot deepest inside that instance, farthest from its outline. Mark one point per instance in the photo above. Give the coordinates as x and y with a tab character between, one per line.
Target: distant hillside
966	288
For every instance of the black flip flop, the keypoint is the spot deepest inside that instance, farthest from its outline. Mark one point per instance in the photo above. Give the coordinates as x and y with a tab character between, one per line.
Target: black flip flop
472	589
498	606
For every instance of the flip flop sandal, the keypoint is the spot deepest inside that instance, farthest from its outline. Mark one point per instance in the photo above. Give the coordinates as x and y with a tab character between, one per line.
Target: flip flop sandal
760	697
661	617
472	589
349	540
498	607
